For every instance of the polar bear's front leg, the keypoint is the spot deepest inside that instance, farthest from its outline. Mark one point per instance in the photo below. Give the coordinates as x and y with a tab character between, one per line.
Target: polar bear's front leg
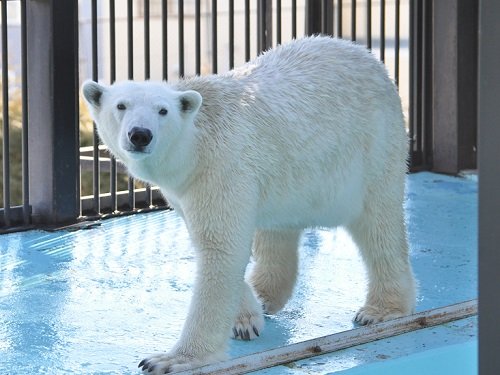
214	305
222	254
249	321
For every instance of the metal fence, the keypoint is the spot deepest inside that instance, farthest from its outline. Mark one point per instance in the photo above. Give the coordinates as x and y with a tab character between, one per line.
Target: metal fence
14	107
54	168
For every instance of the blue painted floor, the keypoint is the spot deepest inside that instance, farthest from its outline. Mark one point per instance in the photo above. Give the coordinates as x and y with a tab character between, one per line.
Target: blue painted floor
97	301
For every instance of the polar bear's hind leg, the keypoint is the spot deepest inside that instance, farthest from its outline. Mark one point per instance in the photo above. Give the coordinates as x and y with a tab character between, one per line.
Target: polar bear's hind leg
381	237
276	263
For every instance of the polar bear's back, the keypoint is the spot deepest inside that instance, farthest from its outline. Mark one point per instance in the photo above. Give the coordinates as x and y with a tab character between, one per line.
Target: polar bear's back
308	120
323	88
328	59
321	76
315	83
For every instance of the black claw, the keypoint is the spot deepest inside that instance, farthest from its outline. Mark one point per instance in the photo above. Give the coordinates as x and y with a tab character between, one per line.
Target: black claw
247	335
255	330
357	318
235	332
240	333
151	369
141	363
145	367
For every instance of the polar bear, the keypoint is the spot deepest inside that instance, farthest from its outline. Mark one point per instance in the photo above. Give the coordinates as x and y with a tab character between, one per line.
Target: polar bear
309	134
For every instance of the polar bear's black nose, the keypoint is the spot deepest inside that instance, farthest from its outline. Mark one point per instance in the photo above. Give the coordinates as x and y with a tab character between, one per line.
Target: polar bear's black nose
140	137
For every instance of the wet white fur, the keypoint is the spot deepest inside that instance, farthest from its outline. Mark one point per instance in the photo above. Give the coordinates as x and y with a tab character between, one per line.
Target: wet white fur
310	134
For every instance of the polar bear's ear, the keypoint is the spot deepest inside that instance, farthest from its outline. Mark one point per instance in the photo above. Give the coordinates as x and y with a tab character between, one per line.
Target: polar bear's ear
190	102
92	92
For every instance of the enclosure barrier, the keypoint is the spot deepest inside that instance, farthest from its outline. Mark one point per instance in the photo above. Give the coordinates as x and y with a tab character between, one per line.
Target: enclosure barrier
51	46
338	341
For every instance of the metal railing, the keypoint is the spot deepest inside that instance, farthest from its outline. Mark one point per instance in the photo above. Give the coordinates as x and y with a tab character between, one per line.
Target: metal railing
179	29
66	173
17	210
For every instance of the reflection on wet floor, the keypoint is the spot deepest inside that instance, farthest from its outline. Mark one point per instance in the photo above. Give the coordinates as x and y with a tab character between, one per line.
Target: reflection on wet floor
97	301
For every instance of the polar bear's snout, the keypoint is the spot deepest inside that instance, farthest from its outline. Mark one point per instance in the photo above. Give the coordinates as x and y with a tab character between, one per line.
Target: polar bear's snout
140	138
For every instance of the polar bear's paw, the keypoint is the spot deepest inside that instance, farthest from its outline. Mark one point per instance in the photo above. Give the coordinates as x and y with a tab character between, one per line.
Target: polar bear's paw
165	363
271	305
372	314
248	325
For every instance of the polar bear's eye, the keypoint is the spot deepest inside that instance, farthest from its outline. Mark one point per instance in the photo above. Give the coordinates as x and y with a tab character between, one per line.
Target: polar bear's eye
163	111
121	106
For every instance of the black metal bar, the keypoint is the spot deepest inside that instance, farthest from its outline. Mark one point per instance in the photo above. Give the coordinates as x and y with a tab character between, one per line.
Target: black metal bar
489	181
426	77
96	171
214	36
382	30
421	133
247	30
131	193
294	19
197	23
147	39
420	55
5	114
339	18
327	17
260	26
112	70
95	77
413	69
231	34
112	40
332	17
25	123
147	71
353	20
113	184
324	16
269	24
130	39
467	91
93	21
180	20
164	32
130	59
264	25
396	42
369	24
315	14
278	21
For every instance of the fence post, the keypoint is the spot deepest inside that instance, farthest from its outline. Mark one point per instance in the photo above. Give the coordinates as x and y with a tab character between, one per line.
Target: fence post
52	35
454	96
319	17
489	182
264	25
420	84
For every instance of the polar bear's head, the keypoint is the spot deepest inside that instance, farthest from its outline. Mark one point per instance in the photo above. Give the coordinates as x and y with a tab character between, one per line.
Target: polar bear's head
138	119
